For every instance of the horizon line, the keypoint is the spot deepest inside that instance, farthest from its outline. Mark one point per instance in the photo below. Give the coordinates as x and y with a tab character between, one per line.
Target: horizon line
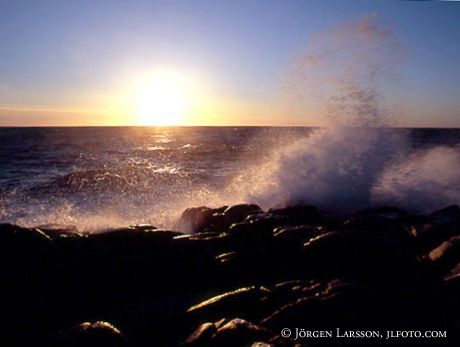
215	126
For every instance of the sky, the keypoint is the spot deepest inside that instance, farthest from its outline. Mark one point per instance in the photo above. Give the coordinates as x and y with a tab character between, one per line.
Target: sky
139	62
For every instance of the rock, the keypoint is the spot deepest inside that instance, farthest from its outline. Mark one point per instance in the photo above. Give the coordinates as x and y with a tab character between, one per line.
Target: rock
436	228
239	332
451	283
201	218
234	332
254	232
193	219
27	272
446	215
288	285
226	257
333	304
241	302
292	270
357	255
211	244
10	233
451	302
453	274
284	293
259	229
390	224
237	213
298	213
56	231
100	334
23	249
258	215
300	233
206	235
262	344
202	335
143	227
386	213
378	219
447	254
134	235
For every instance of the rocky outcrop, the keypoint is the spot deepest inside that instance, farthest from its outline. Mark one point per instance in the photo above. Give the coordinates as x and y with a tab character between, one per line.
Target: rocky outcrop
232	276
100	333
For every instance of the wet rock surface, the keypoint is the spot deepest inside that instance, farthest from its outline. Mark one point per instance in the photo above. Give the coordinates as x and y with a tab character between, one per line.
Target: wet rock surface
242	276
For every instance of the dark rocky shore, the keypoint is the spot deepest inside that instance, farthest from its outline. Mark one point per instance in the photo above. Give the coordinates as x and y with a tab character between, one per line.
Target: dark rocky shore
241	277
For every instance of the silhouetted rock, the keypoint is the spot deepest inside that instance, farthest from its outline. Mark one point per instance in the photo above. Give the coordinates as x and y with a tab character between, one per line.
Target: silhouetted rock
447	214
59	230
241	302
355	254
144	227
234	332
390	224
226	257
381	214
335	304
436	228
101	334
135	235
14	235
298	213
237	213
262	344
259	229
202	335
234	219
293	267
201	218
300	233
454	273
447	254
239	332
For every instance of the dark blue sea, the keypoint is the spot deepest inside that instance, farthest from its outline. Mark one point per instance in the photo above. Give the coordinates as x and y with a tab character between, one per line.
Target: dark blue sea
97	177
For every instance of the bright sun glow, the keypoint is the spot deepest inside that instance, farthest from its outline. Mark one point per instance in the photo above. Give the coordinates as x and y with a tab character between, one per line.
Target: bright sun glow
162	99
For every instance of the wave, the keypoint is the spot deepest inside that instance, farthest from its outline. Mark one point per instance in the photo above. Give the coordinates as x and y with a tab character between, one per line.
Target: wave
356	160
342	170
422	181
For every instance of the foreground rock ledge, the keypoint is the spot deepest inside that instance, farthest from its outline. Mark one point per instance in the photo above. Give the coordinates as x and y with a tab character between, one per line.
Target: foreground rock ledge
233	276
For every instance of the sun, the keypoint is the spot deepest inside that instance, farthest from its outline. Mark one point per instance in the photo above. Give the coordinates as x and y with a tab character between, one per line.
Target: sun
162	99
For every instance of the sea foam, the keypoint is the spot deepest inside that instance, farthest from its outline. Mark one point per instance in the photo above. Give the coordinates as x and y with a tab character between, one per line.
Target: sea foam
355	160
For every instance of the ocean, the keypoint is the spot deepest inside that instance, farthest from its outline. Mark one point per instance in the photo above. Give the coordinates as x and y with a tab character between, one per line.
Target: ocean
99	177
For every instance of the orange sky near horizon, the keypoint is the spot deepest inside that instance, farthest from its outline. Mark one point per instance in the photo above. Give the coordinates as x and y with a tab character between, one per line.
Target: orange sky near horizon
233	63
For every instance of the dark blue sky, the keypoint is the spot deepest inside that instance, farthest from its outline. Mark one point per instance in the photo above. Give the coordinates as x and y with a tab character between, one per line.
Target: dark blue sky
64	62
